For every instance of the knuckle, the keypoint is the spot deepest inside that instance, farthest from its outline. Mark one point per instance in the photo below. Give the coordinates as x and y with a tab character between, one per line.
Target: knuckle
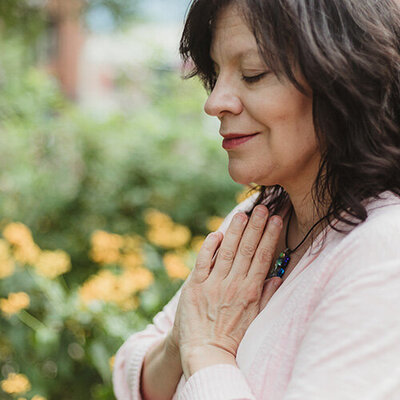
247	250
202	261
253	292
259	276
256	224
227	255
264	254
237	224
231	291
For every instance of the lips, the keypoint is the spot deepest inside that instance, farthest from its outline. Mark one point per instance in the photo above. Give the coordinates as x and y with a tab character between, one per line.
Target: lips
233	140
237	135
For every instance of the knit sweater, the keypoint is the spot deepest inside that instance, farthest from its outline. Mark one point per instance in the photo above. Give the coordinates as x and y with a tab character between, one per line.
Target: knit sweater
330	331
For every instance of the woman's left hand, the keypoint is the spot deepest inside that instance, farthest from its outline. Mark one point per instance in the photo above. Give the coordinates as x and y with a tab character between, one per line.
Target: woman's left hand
219	302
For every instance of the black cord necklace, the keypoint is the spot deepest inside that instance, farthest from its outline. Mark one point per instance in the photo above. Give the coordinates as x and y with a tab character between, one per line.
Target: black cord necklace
283	260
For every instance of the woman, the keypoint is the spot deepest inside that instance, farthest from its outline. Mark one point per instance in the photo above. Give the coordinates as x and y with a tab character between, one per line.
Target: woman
308	97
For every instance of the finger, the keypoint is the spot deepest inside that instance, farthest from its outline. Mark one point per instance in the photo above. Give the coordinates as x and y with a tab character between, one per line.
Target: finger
204	260
249	242
229	245
266	249
271	285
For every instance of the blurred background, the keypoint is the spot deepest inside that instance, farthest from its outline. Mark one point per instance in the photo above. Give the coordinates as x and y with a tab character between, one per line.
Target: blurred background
111	175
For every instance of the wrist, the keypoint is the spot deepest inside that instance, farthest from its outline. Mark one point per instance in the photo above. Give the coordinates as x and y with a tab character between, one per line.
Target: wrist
170	346
196	358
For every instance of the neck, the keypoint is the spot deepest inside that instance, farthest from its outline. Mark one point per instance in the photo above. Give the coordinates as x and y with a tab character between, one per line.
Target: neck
305	215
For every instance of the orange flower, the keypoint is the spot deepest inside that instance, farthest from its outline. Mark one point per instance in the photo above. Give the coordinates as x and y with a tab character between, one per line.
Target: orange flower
175	265
17	234
16	383
164	232
52	263
106	247
14	303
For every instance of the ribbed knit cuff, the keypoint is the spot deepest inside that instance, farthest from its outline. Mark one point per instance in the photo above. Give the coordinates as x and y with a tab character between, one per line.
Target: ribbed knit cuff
217	382
136	363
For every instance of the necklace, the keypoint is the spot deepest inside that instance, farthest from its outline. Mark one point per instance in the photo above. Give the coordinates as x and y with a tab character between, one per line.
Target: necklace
283	260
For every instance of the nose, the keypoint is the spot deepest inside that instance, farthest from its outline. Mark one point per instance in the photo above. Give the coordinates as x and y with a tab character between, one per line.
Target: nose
223	100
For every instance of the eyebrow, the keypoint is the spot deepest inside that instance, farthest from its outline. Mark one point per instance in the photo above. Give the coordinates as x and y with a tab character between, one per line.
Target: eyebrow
240	55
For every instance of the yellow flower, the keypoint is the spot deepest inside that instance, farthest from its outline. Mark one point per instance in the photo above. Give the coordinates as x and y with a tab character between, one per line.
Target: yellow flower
4	249
132	260
106	247
17	234
7	266
156	218
117	289
136	279
16	383
214	223
197	242
175	265
99	287
52	263
171	237
111	362
37	397
132	303
14	303
164	232
27	254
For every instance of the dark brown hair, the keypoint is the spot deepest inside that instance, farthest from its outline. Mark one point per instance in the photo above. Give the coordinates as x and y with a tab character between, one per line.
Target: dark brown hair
348	52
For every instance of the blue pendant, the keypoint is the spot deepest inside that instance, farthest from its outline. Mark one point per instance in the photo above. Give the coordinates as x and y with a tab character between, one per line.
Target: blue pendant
280	264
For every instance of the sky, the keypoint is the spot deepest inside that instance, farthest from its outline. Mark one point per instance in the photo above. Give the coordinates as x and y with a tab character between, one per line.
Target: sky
163	11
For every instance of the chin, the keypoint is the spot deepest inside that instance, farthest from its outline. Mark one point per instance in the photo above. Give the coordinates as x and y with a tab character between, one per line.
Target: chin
240	176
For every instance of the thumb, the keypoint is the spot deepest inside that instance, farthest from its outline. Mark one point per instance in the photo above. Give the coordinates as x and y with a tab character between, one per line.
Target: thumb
206	258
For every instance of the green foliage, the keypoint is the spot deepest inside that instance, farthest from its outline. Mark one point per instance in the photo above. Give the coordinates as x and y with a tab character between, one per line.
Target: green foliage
23	18
66	175
28	18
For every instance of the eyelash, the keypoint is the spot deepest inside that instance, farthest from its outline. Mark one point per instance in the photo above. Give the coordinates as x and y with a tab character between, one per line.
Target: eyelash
254	79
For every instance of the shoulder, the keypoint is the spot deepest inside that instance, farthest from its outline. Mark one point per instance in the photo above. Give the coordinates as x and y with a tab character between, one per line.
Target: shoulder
382	227
370	250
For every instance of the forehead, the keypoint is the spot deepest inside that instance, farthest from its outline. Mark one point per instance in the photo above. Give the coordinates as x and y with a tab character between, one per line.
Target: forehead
232	37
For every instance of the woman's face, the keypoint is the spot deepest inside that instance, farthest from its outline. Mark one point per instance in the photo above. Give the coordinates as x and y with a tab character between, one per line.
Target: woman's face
248	99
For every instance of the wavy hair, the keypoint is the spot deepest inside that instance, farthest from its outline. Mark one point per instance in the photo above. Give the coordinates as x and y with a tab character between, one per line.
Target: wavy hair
348	52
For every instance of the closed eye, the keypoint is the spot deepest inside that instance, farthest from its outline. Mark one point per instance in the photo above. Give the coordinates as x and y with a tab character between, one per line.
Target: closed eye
255	78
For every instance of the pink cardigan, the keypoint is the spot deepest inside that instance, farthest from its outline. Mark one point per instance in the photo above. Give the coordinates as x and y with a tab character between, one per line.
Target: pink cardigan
331	331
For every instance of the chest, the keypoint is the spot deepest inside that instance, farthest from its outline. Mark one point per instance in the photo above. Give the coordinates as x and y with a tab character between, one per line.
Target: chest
269	348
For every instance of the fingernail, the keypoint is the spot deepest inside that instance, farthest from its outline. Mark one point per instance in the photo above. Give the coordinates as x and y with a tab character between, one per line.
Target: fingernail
276	283
276	221
213	236
261	211
241	217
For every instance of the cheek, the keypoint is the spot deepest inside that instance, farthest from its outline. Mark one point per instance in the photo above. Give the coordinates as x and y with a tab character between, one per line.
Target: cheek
280	104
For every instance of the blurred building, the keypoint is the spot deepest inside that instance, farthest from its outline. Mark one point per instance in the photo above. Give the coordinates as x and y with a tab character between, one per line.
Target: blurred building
63	42
105	70
116	67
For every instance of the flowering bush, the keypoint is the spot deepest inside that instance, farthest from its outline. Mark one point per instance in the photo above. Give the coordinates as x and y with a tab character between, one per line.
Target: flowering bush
100	224
65	327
